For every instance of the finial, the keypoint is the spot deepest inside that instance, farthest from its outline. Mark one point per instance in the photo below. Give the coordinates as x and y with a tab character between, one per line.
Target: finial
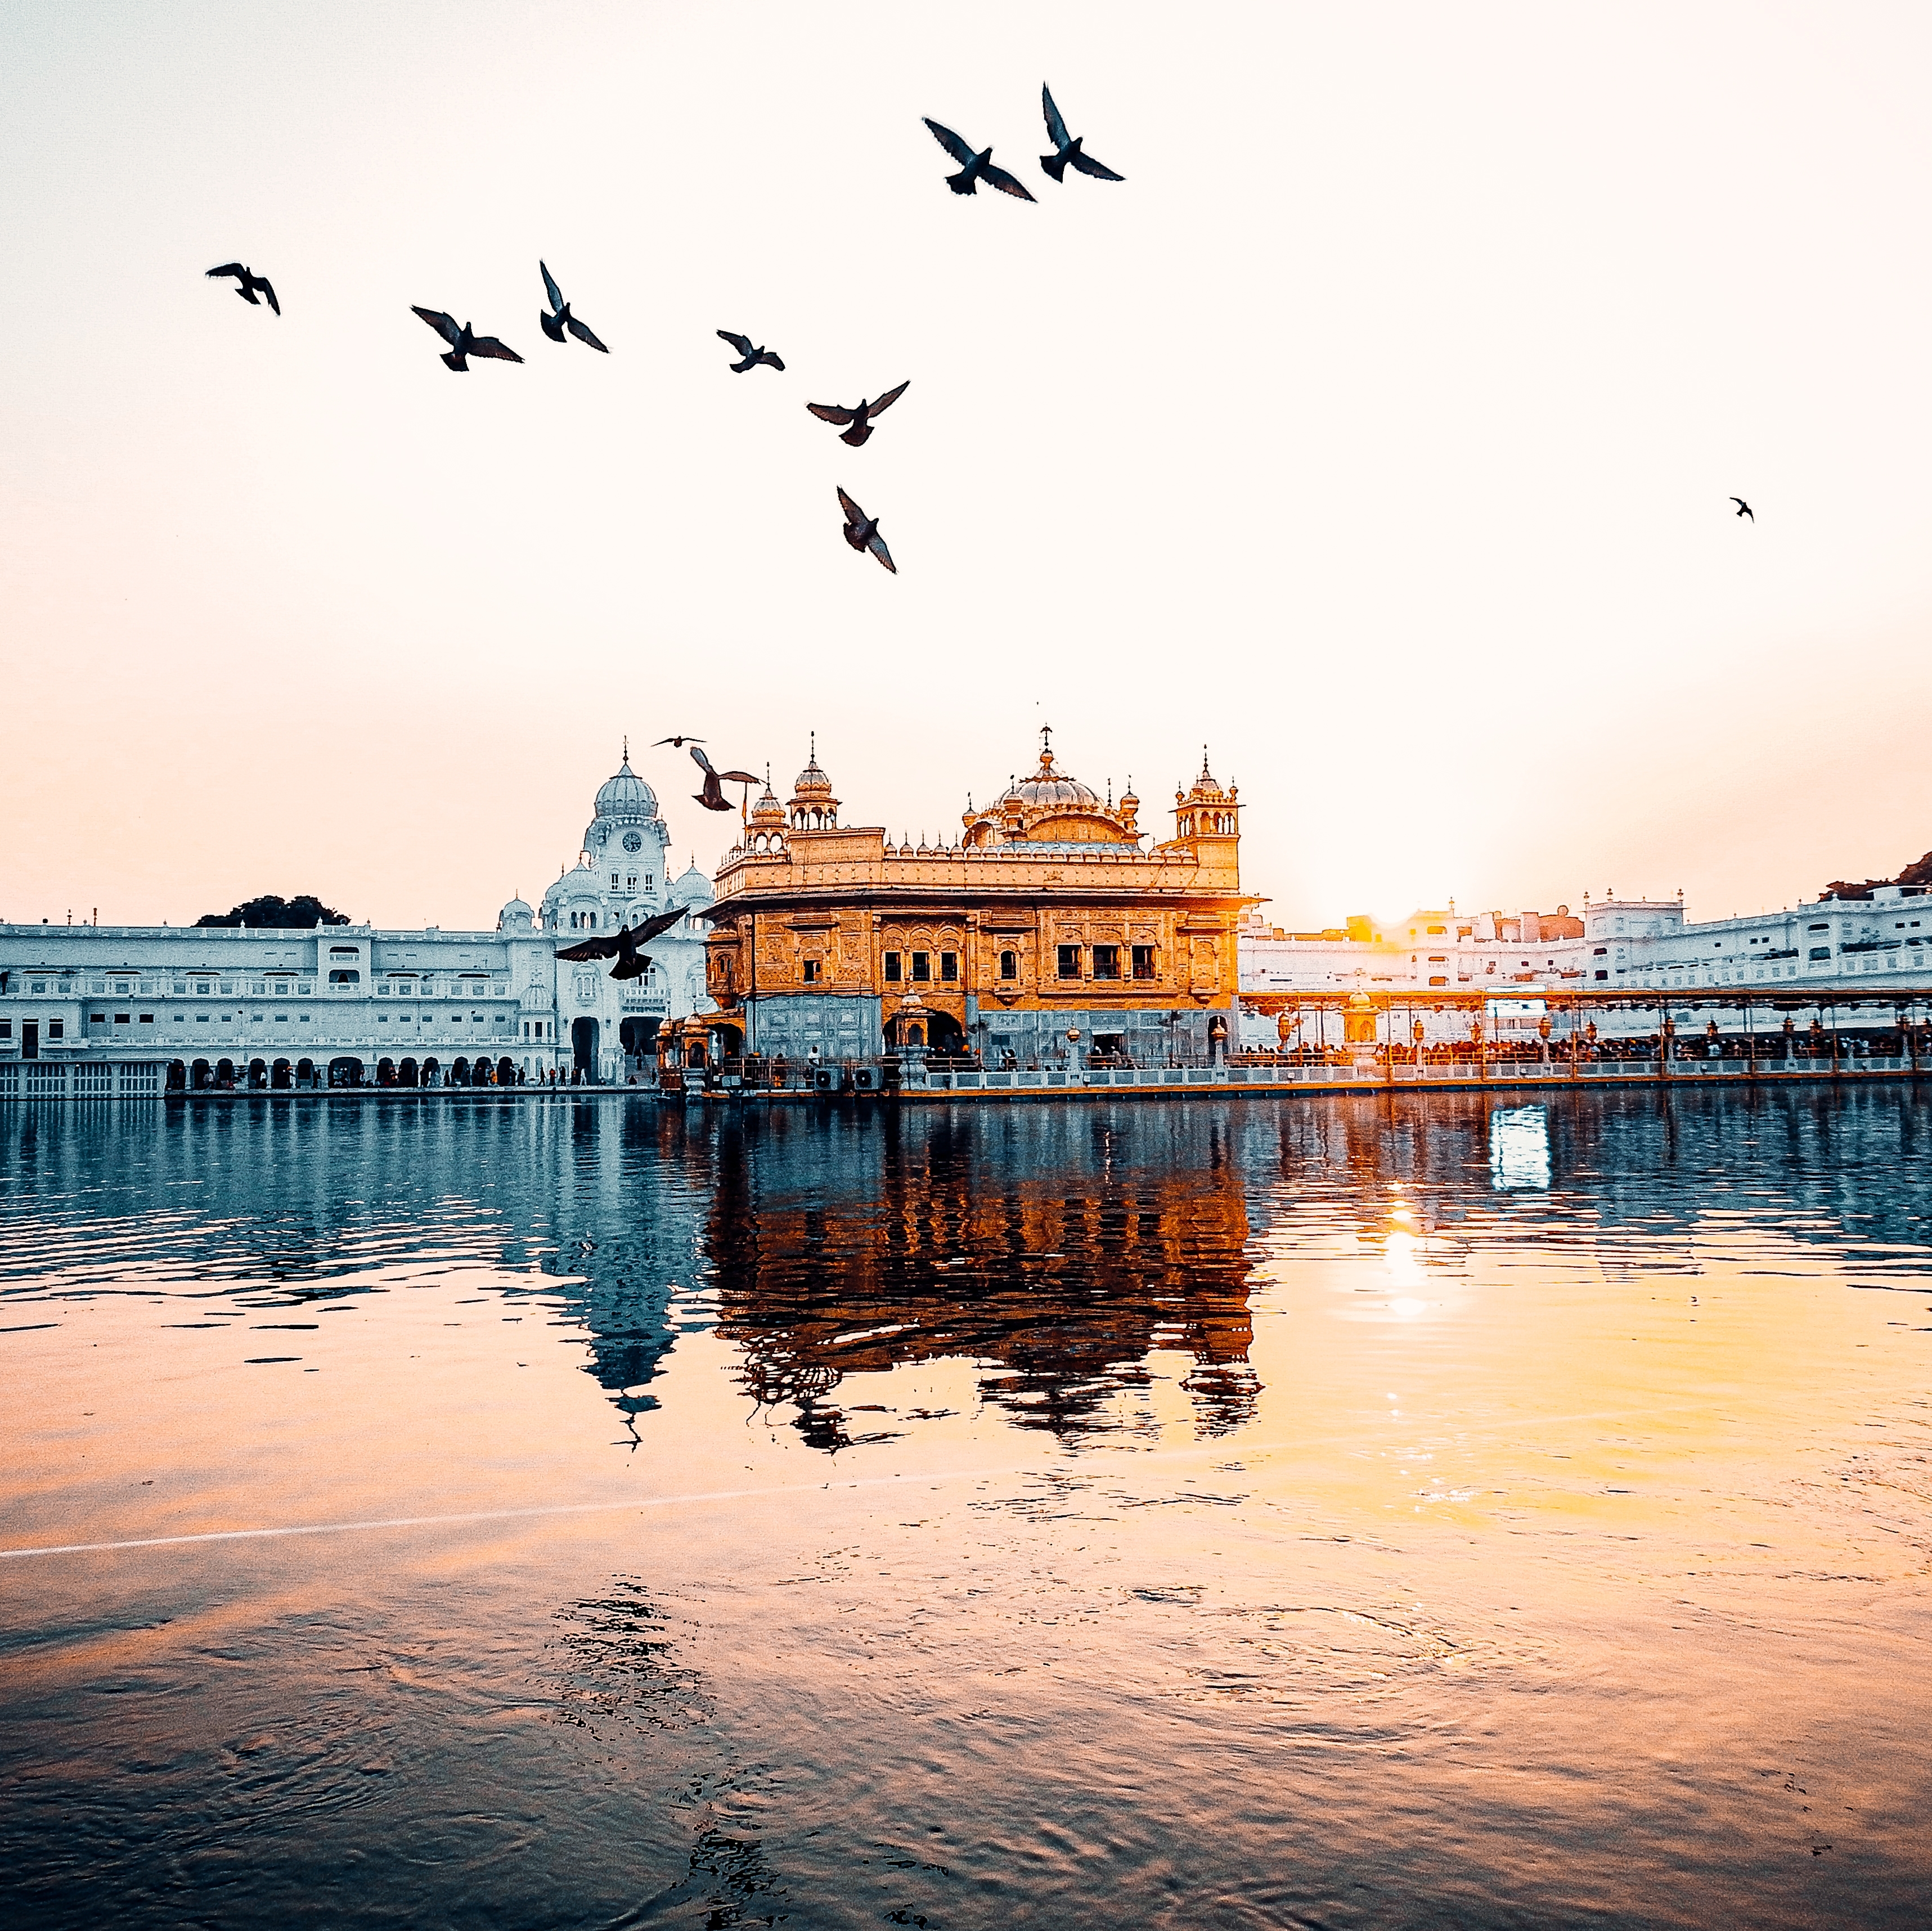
1203	760
1110	794
627	746
1046	747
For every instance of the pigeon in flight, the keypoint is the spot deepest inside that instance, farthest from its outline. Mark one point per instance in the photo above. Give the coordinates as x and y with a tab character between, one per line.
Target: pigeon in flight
861	417
1744	507
974	168
622	946
560	317
463	343
753	357
680	742
862	532
247	282
1067	149
711	797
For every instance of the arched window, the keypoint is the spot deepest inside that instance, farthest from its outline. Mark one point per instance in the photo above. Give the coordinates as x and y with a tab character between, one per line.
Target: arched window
1009	965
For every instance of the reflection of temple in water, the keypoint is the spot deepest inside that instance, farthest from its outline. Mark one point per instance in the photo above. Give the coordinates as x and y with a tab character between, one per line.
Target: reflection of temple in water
1057	1249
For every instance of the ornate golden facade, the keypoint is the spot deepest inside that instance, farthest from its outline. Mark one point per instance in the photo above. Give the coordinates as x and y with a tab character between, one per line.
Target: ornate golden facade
1045	931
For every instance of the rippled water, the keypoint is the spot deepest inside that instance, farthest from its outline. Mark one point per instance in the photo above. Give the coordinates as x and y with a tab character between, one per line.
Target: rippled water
1392	1511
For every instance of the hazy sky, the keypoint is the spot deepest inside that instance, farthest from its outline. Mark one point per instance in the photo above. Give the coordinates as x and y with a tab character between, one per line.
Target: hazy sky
1379	431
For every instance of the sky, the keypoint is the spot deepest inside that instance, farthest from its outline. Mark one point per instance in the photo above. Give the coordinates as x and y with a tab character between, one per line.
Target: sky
1379	432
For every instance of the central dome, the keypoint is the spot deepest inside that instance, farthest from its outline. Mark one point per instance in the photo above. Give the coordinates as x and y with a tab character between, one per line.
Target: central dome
625	795
1047	787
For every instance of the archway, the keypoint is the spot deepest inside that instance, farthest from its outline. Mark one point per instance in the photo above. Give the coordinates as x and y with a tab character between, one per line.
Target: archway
638	1038
258	1072
201	1076
432	1072
224	1074
305	1072
506	1071
345	1070
385	1072
278	1076
459	1072
406	1073
177	1076
727	1041
583	1050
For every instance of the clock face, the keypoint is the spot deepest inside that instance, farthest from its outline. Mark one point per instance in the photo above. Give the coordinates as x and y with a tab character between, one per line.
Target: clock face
634	841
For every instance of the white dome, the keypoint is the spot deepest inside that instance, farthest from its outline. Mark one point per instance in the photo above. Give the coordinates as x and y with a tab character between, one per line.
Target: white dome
515	917
625	795
693	888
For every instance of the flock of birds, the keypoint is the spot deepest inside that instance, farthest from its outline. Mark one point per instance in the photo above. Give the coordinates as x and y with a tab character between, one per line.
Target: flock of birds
856	423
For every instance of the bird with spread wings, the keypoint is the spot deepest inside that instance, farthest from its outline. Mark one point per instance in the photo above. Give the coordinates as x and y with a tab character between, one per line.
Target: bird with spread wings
464	341
861	417
862	532
247	282
973	168
622	945
1067	149
712	797
560	318
750	357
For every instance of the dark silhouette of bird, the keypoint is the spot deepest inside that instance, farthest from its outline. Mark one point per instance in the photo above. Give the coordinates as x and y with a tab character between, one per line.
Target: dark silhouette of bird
1068	149
862	532
247	282
711	797
463	343
753	357
861	417
973	168
680	742
622	946
1744	507
560	317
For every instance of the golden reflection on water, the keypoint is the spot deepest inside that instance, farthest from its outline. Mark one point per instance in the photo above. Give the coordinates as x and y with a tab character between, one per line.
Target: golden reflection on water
1350	1513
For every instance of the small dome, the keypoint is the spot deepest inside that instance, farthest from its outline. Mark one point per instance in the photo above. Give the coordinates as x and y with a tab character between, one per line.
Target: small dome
625	795
515	917
693	888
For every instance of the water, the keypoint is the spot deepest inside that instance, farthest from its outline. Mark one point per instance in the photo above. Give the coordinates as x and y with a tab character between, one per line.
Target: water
1412	1511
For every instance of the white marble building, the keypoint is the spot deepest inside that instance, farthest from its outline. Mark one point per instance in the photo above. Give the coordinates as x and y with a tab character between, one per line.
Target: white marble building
102	1009
1817	951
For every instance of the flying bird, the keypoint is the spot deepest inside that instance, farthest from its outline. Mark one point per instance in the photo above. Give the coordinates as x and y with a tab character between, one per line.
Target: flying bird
1065	149
622	946
973	168
1744	507
463	343
753	357
247	282
861	417
560	317
711	797
862	532
680	742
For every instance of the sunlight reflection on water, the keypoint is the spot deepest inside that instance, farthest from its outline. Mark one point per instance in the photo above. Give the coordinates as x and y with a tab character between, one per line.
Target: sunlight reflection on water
1364	1512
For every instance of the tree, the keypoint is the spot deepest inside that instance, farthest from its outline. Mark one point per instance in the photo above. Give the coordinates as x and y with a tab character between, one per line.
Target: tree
275	914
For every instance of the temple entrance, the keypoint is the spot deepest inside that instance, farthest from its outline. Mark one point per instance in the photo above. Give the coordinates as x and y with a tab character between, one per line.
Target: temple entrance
638	1038
345	1072
584	1050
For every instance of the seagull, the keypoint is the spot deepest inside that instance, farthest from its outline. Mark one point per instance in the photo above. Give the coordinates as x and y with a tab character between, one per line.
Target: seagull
680	742
1744	507
861	417
862	532
622	946
247	281
711	797
1066	150
753	357
974	168
463	343
555	323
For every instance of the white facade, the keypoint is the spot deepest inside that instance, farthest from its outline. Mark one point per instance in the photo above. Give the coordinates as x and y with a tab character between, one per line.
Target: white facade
88	1009
1831	947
